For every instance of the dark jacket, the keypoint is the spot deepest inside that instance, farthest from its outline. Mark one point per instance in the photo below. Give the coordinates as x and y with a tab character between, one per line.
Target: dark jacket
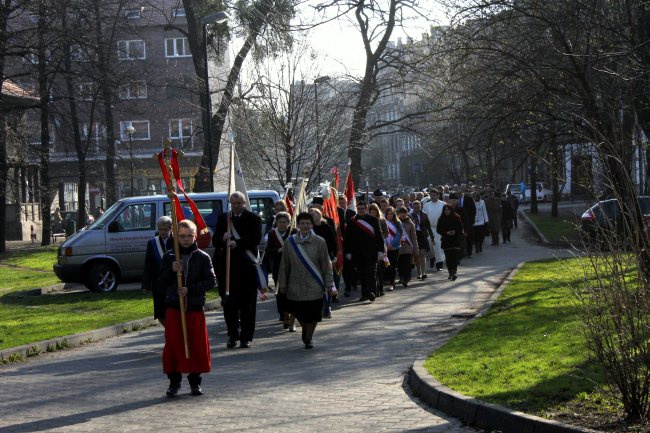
272	253
242	271
344	217
199	278
463	215
446	224
359	243
470	210
507	212
325	231
151	274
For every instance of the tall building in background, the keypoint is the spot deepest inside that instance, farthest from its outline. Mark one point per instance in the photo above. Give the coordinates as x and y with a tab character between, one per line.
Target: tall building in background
154	95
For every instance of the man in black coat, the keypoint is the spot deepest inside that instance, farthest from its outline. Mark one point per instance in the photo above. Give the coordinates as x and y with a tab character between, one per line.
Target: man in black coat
239	305
345	215
467	203
364	246
454	202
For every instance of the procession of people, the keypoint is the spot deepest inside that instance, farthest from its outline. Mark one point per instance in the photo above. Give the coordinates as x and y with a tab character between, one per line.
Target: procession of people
379	243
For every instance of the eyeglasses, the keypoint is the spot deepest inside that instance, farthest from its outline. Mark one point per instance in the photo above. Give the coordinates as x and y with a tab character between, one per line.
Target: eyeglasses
185	236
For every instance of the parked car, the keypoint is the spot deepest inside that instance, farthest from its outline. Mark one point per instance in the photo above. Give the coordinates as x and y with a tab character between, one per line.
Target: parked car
543	192
112	249
606	217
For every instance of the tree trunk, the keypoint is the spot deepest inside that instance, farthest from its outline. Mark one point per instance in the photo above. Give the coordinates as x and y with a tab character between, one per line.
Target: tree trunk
3	177
5	10
44	151
106	86
533	181
555	171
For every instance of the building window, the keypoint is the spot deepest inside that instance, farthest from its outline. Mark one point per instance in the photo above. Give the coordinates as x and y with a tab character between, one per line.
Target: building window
177	47
181	130
134	90
80	54
133	13
86	91
131	50
141	129
33	18
33	132
178	12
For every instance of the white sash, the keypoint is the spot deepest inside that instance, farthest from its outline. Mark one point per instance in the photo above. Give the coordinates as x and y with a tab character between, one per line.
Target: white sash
366	227
262	278
279	236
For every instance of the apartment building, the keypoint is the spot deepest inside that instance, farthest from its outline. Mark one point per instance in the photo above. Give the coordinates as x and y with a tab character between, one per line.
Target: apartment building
154	95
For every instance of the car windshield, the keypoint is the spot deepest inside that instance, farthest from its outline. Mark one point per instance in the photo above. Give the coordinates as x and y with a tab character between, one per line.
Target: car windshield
107	216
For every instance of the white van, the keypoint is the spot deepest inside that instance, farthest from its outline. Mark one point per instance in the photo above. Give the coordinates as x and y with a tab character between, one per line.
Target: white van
112	249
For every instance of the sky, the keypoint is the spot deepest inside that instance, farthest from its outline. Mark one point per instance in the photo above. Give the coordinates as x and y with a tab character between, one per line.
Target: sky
340	42
339	45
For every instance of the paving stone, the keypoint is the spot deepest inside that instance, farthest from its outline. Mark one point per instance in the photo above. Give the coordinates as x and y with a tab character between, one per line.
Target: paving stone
352	381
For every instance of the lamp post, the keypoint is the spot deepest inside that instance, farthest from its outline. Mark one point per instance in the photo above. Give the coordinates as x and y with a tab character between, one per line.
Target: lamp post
217	17
130	130
317	82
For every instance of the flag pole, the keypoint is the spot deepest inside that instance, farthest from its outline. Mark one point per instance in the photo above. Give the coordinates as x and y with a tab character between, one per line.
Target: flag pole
171	193
230	191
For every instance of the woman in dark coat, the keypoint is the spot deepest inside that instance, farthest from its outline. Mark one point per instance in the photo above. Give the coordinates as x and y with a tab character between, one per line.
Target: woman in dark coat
325	231
272	258
450	229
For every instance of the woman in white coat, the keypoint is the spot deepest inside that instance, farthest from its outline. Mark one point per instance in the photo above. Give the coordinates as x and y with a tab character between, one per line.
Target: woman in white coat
480	222
433	209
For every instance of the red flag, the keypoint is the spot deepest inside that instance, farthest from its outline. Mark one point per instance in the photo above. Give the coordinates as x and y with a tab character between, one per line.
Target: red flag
288	202
349	192
330	209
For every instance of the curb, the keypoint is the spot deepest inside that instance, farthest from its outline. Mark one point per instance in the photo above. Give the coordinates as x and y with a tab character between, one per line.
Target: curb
536	229
475	412
18	353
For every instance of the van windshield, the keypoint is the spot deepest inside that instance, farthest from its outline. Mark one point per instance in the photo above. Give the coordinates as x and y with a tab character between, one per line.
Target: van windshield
106	217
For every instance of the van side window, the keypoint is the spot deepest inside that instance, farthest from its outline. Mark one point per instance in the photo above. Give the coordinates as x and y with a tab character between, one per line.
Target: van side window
209	210
263	207
137	217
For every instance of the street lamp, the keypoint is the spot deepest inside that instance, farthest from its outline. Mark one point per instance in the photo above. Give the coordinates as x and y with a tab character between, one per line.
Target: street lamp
130	130
317	82
217	17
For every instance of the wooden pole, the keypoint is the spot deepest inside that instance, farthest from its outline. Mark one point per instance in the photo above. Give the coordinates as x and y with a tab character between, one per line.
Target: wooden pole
231	187
171	193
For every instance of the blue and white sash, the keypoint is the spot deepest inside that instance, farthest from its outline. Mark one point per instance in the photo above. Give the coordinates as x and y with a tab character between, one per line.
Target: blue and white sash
158	250
306	261
262	277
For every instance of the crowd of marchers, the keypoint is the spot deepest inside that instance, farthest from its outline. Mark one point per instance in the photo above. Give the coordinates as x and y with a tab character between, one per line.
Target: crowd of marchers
378	243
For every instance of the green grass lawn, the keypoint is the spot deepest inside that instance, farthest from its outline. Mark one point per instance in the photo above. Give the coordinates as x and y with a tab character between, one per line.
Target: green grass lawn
563	229
528	352
28	319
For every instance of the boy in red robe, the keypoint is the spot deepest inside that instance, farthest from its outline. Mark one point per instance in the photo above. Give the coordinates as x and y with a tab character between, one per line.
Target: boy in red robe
198	277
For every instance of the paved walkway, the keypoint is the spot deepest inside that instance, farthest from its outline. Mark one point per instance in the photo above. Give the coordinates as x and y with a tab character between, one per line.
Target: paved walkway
352	381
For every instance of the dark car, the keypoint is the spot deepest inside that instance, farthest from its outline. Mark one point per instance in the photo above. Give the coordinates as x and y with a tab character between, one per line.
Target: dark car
606	217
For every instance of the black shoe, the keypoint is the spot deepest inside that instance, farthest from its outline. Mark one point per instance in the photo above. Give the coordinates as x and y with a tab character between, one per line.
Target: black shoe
371	297
381	293
172	391
245	345
424	276
453	277
432	263
449	277
335	299
308	344
285	326
232	342
196	390
292	328
404	283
